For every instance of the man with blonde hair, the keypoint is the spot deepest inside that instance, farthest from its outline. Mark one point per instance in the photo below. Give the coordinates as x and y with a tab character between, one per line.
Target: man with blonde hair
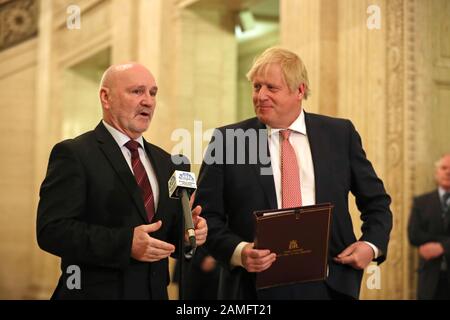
429	230
312	159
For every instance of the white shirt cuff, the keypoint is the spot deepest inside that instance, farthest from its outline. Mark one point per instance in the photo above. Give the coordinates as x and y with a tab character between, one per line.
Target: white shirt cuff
236	258
374	248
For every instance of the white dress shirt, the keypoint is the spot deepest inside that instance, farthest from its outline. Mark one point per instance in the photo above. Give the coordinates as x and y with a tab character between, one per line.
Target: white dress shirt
121	139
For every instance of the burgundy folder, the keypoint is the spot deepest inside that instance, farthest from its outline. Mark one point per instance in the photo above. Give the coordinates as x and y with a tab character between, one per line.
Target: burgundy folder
299	237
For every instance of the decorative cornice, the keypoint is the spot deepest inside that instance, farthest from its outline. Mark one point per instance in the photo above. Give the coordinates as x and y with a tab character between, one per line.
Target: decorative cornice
18	21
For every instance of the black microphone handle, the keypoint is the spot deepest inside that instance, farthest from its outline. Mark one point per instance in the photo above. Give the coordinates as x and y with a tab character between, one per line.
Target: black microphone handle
189	225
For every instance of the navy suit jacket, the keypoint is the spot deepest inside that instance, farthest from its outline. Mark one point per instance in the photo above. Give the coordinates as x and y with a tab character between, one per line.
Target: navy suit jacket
89	205
230	193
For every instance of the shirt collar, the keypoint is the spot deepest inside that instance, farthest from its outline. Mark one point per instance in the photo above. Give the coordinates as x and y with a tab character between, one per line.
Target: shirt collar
298	125
441	192
120	137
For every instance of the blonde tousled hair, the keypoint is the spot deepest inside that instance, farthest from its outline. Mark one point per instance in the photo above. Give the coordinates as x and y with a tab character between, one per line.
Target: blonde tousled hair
294	71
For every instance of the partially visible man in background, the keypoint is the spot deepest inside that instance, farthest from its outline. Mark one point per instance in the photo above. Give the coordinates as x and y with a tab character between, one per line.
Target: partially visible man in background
429	230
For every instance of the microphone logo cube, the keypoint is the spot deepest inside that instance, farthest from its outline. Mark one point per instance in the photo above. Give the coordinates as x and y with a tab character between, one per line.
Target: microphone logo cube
181	180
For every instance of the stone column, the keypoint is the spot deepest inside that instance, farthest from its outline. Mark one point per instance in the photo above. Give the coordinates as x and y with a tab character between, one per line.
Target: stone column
44	269
366	80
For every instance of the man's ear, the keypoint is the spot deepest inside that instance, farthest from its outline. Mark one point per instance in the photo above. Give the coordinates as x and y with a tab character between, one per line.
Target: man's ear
105	97
301	91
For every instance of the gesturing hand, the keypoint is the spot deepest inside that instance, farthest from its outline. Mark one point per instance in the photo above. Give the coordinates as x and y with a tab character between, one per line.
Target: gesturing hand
146	248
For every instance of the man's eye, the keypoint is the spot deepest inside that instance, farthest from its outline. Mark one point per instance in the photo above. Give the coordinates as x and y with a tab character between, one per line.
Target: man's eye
153	93
256	87
138	91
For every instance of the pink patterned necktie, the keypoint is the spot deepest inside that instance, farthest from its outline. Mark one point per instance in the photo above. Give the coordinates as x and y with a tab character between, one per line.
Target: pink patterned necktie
290	174
141	178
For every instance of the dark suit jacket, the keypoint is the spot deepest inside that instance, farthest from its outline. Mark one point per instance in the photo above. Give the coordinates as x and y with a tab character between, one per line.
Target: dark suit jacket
89	205
229	193
426	224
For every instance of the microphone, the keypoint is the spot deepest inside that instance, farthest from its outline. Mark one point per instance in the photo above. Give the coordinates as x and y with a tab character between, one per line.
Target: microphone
181	185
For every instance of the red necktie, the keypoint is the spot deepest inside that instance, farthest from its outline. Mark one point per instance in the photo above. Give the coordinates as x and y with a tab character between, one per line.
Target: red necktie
290	174
141	178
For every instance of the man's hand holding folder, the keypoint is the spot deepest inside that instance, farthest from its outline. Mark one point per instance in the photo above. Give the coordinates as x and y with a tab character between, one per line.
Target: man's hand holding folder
256	260
299	239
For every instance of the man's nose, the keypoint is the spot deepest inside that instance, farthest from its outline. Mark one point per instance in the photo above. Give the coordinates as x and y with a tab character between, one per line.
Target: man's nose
262	93
148	100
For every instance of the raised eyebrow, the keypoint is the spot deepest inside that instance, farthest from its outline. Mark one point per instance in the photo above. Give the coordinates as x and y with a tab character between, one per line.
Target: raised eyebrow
142	87
136	87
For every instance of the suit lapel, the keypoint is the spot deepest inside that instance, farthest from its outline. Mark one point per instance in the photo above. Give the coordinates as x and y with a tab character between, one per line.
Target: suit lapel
266	180
115	157
320	152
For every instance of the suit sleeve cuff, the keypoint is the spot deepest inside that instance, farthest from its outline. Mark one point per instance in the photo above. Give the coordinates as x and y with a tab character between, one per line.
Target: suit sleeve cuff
376	252
236	259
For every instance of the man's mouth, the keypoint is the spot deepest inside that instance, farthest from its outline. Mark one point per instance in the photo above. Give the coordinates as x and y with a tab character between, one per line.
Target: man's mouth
144	114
